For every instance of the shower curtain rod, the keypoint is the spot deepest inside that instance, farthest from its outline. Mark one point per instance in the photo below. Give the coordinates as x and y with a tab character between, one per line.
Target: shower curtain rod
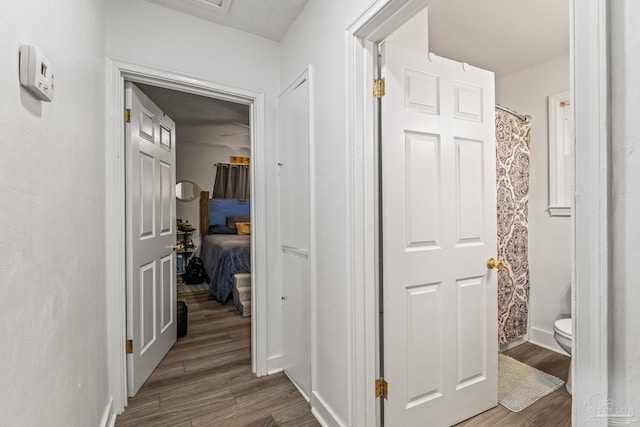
524	118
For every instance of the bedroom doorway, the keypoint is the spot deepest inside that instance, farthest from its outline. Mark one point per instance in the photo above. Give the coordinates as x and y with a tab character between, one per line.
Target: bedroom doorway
115	194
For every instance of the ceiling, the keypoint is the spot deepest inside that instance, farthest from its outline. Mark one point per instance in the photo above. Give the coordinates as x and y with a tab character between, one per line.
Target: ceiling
503	36
201	120
266	18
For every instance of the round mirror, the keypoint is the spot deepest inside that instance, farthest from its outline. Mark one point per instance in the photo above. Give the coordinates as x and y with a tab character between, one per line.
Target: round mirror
187	191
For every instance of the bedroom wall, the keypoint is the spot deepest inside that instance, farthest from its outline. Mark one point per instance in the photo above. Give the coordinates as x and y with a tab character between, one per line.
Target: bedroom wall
196	163
326	20
52	298
526	92
147	34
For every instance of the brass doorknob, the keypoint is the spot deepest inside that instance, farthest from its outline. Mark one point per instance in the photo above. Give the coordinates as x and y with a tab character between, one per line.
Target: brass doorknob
176	246
494	263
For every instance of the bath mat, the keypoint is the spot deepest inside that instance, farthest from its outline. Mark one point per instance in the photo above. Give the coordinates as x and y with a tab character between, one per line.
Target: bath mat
520	385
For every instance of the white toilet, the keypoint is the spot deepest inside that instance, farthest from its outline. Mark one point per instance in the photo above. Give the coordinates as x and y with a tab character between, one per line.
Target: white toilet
563	334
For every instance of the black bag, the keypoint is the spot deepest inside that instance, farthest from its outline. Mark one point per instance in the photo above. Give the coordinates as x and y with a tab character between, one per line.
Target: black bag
195	274
182	316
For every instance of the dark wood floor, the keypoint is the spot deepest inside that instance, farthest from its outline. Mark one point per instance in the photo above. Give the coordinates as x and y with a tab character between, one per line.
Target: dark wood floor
206	379
550	411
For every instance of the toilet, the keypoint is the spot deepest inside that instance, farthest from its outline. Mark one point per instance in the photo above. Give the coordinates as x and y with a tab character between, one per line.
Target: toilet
563	335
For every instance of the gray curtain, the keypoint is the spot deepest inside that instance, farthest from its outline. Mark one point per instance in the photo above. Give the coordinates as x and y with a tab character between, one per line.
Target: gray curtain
232	182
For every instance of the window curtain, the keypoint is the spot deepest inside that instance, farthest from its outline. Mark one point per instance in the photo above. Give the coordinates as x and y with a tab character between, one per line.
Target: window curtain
512	174
232	182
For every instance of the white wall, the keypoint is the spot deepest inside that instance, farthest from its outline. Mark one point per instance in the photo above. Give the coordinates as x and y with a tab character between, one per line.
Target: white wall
625	204
52	298
147	34
526	92
318	38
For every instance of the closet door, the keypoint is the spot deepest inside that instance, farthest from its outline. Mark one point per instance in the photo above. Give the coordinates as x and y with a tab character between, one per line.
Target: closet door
293	111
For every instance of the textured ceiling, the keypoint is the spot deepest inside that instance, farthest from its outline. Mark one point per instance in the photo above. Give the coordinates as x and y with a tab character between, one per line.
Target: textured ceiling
503	36
201	120
266	18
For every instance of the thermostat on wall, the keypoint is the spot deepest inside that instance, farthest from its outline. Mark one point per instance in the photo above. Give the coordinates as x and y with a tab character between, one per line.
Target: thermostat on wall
36	73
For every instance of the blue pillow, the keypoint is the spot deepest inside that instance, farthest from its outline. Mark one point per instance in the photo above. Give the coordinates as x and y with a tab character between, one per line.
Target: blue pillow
220	209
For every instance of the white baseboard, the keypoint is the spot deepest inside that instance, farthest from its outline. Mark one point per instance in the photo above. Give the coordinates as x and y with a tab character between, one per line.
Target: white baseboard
323	413
300	390
274	364
515	343
108	419
545	339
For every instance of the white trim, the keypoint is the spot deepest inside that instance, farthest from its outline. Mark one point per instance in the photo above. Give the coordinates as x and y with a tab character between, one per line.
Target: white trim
106	414
304	395
560	210
323	413
545	339
372	26
559	140
116	73
274	364
590	295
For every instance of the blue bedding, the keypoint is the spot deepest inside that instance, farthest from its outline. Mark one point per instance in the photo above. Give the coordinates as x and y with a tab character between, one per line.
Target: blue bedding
225	255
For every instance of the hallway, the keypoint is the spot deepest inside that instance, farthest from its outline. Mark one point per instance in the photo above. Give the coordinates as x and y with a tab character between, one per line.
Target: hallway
206	379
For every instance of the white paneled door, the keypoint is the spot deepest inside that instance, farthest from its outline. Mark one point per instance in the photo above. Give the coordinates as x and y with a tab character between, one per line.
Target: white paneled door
439	229
150	222
293	138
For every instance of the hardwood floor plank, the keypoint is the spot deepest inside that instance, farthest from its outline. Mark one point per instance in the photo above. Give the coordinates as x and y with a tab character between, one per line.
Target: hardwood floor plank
206	379
487	418
551	410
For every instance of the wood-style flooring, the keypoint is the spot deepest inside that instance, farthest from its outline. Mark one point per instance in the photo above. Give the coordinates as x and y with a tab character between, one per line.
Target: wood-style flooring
553	410
206	379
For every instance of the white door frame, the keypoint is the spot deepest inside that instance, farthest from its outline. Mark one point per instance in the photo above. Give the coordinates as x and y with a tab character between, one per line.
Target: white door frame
589	76
116	74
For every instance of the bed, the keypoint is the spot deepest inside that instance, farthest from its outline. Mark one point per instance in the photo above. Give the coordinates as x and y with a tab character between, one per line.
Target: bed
223	254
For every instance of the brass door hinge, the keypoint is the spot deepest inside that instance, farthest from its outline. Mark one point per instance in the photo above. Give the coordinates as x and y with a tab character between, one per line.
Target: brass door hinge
127	115
378	88
382	388
129	347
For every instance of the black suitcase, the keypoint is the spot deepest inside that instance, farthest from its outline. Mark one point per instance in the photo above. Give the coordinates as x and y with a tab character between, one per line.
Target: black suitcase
182	318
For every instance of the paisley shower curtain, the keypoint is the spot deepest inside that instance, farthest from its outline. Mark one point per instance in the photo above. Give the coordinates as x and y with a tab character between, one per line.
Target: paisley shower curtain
512	175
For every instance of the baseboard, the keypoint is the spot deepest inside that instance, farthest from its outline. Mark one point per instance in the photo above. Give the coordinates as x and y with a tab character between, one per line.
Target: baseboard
515	343
274	364
300	390
108	419
545	339
323	413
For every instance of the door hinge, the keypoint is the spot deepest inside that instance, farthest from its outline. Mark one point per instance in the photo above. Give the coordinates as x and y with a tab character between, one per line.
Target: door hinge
378	88
127	115
382	388
129	347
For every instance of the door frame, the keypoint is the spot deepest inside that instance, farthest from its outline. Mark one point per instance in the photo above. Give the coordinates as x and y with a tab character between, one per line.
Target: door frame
590	304
116	74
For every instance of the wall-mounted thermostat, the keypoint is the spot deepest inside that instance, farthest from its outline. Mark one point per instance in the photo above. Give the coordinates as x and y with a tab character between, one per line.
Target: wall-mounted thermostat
36	73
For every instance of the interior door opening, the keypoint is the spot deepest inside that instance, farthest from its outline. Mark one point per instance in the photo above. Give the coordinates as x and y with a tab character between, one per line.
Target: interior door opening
210	132
425	89
115	194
